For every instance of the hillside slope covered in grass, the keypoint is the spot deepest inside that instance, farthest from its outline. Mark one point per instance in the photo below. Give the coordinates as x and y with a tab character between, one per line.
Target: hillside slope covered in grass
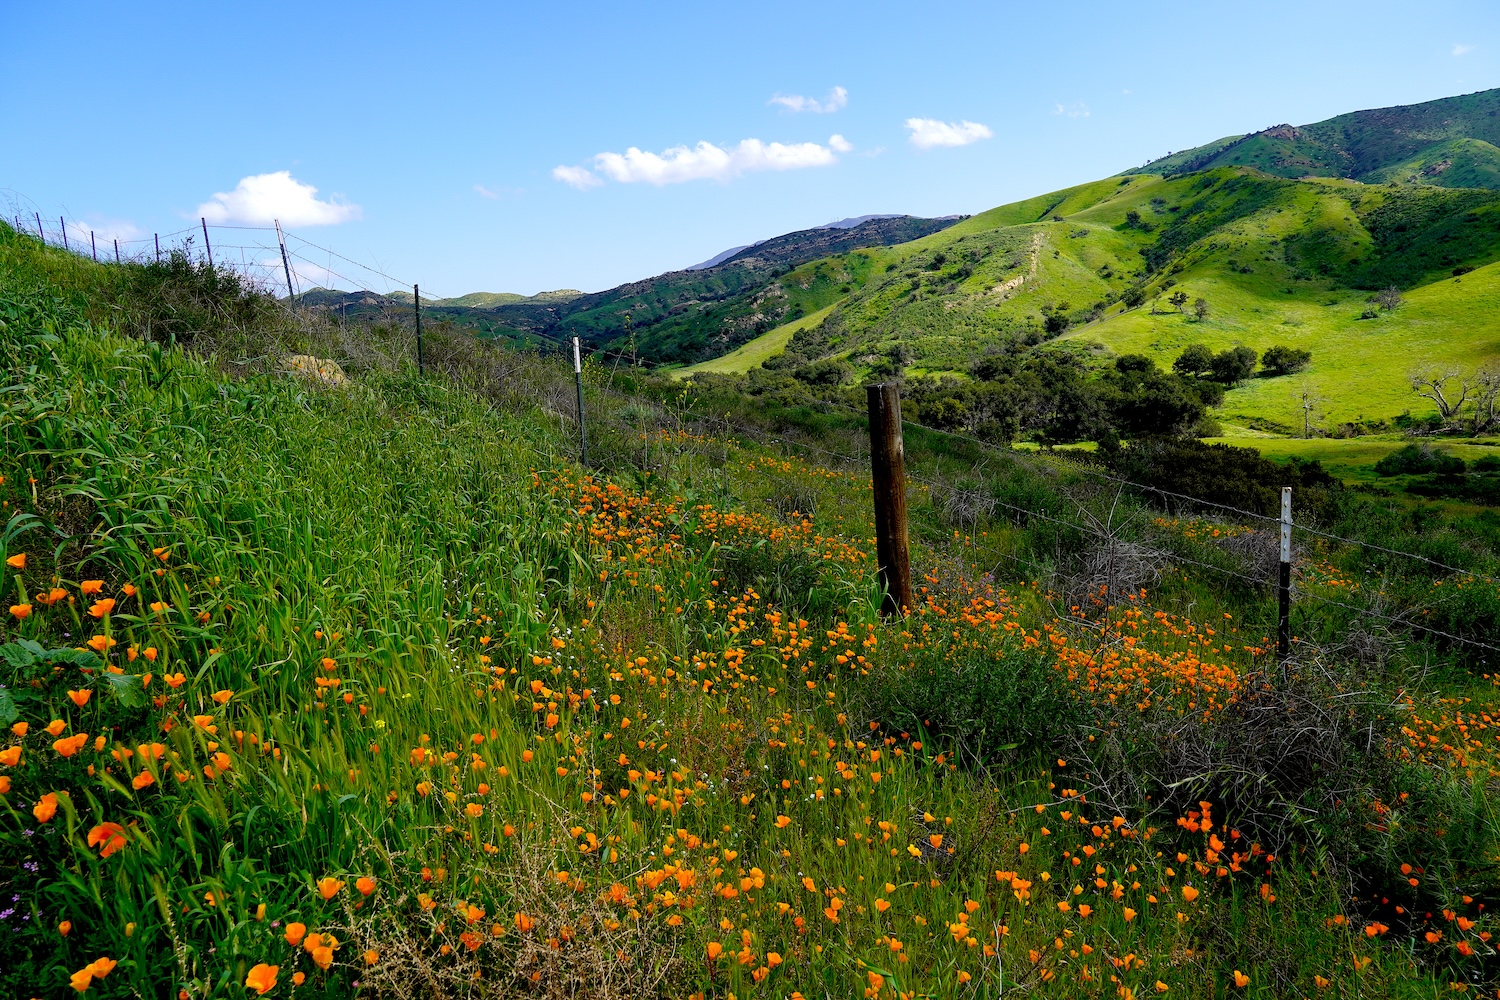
1276	262
336	688
1450	142
680	316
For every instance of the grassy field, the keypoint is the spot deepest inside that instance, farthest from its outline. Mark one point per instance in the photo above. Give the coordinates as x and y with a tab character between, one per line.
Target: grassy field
365	689
753	354
1353	459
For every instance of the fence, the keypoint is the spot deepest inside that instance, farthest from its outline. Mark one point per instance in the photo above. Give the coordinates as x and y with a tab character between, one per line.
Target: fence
273	259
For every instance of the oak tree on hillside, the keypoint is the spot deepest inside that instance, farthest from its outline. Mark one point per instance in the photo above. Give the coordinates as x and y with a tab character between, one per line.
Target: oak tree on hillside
1194	360
1283	360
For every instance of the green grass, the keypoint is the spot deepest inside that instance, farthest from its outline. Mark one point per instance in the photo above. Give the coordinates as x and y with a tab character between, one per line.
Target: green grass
757	351
619	727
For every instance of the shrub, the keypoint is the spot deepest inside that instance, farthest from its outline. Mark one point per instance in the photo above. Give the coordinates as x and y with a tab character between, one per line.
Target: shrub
1283	360
1194	360
1233	365
1418	459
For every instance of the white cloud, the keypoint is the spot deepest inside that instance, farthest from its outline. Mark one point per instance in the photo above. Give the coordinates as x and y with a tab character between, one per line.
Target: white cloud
839	144
1078	110
705	161
927	133
259	199
485	192
1462	50
838	98
105	231
578	177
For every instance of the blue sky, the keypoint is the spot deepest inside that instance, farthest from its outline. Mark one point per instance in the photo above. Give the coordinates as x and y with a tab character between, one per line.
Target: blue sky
434	133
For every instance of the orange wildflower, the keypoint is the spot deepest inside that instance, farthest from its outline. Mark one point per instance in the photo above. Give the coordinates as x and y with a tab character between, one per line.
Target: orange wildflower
45	808
91	586
295	932
70	745
365	884
20	610
262	978
17	561
108	837
329	887
80	698
102	607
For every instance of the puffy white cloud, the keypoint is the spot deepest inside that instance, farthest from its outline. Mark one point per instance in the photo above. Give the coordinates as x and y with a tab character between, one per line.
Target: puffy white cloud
838	98
485	192
927	133
578	177
839	144
1462	50
705	161
1079	110
259	199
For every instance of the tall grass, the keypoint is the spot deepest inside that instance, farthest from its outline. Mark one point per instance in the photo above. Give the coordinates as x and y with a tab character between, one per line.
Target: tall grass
395	699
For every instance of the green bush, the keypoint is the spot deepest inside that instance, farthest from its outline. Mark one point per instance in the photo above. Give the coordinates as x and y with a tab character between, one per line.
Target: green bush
1418	459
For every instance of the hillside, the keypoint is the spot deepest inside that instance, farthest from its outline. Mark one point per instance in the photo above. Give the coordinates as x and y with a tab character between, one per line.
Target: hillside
680	316
1277	261
1448	142
362	687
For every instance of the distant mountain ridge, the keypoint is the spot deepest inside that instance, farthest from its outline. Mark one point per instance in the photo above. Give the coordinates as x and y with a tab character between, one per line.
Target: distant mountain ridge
681	316
850	223
1450	142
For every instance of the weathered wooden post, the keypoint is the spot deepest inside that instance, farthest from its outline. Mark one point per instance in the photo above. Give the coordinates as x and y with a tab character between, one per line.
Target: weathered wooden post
888	470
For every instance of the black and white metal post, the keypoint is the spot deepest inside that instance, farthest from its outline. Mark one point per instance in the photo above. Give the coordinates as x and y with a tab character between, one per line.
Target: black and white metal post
64	224
1284	584
117	251
157	238
93	248
416	302
583	444
207	249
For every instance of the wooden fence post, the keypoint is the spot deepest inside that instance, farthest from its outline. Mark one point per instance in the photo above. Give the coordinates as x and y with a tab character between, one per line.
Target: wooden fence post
1284	583
887	469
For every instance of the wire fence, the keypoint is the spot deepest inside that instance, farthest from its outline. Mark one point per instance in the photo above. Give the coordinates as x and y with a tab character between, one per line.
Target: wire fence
287	265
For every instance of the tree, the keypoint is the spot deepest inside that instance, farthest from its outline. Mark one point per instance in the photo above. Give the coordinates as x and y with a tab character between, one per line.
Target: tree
1486	400
1283	360
1200	308
1234	365
1194	360
1179	299
1310	401
1133	296
1436	384
1388	298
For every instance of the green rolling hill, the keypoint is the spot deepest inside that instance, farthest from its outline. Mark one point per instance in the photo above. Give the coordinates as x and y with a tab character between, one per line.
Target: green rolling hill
1371	145
1278	260
681	316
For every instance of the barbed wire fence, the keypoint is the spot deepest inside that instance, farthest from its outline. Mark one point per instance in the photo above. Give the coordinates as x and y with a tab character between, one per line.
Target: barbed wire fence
288	266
